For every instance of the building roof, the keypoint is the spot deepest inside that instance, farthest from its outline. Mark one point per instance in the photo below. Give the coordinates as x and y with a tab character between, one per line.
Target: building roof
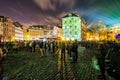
36	27
17	24
71	15
2	18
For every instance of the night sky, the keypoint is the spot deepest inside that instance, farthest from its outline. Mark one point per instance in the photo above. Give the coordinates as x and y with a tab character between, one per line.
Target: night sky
49	12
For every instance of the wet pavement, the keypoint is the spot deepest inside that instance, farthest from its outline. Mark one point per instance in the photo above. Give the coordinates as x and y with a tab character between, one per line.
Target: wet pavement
29	66
64	68
82	70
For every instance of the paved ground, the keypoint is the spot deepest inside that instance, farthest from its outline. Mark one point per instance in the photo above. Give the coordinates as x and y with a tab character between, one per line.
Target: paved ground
82	70
30	66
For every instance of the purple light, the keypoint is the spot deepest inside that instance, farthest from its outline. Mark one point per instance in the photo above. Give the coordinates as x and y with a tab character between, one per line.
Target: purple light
116	34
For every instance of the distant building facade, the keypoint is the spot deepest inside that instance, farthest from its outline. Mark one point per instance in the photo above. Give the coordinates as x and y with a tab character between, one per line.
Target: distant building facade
25	33
7	29
38	32
1	25
35	32
72	25
19	34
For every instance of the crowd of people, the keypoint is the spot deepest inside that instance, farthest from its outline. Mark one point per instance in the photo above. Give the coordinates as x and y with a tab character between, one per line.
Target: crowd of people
71	48
108	59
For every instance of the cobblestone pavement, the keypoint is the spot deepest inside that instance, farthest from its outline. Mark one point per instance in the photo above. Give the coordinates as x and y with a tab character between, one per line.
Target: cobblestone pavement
30	66
64	69
84	68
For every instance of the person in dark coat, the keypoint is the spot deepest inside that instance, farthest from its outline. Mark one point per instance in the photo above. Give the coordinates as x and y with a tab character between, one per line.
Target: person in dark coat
74	52
114	67
101	61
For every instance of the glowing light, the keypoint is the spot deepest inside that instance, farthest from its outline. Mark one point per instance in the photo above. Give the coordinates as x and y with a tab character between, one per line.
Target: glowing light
63	38
97	38
27	36
45	39
72	39
13	39
71	26
95	63
67	39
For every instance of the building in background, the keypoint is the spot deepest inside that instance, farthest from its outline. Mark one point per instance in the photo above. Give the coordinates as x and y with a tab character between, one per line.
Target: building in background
48	32
25	33
59	31
99	31
35	32
19	34
7	29
1	25
72	27
84	29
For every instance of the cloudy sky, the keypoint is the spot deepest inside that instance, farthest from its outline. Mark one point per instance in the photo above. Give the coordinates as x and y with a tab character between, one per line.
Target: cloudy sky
49	12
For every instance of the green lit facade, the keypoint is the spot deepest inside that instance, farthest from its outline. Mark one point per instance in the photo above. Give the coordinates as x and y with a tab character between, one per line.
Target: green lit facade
71	25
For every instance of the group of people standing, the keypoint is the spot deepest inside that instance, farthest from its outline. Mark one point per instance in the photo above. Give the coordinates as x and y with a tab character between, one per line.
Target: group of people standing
70	47
3	52
108	60
44	47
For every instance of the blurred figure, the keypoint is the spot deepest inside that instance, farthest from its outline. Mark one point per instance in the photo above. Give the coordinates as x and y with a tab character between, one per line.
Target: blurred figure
113	67
37	47
30	45
74	52
63	47
52	47
1	58
101	61
47	48
41	48
33	46
15	47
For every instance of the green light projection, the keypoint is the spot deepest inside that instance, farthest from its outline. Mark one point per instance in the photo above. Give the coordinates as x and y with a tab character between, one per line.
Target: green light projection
71	27
95	63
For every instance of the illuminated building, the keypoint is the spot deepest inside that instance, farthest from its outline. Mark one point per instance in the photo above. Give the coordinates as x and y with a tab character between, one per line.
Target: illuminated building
84	29
41	31
72	27
35	32
25	33
7	28
97	31
19	35
57	32
60	31
113	31
114	27
1	25
48	32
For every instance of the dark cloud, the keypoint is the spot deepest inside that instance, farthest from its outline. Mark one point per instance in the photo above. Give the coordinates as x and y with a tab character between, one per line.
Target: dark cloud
49	12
